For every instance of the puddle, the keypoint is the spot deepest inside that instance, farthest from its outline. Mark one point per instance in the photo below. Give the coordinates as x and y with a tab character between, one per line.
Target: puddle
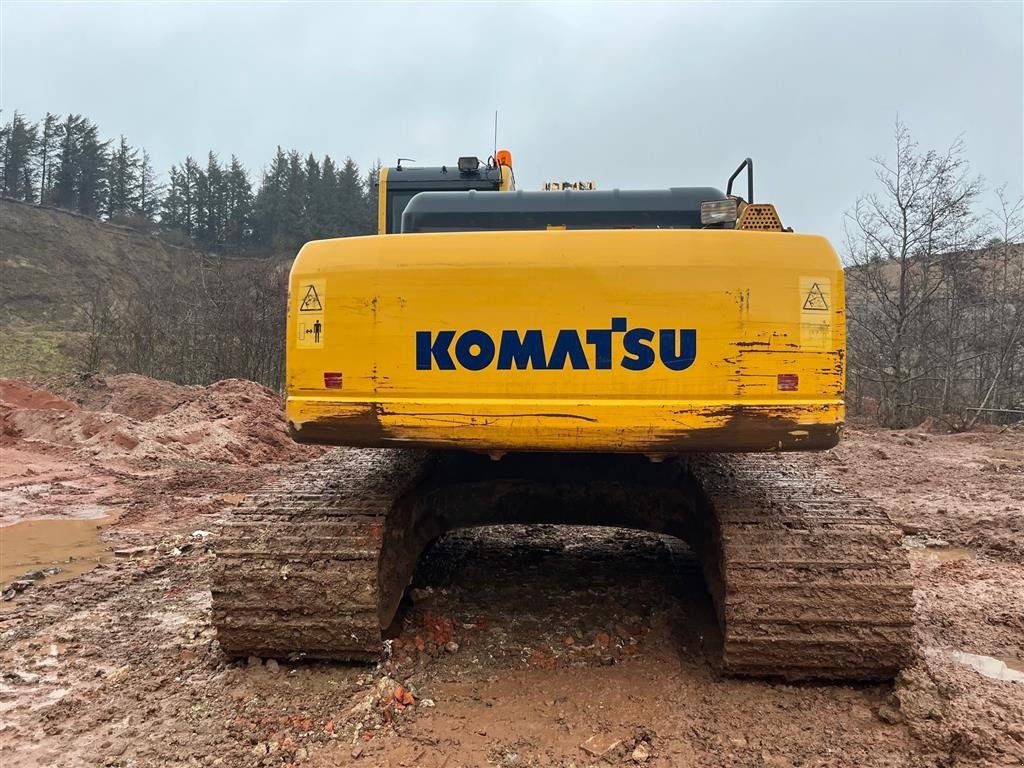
997	668
71	544
942	554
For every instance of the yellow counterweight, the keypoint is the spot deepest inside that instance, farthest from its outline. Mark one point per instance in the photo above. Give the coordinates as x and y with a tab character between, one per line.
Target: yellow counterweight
648	341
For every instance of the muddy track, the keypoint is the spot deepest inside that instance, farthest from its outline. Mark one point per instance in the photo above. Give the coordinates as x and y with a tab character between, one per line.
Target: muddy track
809	580
297	566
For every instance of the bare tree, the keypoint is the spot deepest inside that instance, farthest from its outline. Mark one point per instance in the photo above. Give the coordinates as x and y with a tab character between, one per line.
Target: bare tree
905	244
216	318
1002	331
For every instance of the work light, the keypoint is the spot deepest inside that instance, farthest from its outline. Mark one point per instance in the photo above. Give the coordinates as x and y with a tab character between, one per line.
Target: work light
718	211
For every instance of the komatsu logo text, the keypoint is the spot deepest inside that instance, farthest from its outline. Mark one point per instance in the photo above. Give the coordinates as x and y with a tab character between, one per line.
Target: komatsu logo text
635	349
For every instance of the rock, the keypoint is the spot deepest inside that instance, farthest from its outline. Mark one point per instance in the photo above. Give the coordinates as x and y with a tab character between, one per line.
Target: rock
385	687
451	646
600	745
20	678
200	534
273	666
936	543
890	714
34	576
641	753
357	750
427	703
403	697
134	551
255	661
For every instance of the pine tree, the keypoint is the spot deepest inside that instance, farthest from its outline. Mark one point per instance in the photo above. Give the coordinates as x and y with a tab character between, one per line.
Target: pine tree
351	202
239	205
191	195
294	203
93	190
312	220
213	197
270	200
148	191
65	177
328	194
47	144
172	209
123	180
370	192
20	141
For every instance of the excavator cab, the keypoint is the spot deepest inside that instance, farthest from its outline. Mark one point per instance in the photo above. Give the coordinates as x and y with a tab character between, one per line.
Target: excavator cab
399	184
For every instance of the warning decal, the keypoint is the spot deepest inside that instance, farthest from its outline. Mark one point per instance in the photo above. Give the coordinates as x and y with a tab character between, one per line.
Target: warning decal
309	321
311	301
815	312
815	300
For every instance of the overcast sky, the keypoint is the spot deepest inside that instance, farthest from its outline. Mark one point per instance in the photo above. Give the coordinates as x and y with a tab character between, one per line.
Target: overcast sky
630	95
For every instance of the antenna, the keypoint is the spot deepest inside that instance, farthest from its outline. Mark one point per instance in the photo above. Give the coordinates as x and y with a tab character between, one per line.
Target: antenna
495	155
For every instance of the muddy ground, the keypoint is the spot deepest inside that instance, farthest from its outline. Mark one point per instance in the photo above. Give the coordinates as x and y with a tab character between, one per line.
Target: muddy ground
517	646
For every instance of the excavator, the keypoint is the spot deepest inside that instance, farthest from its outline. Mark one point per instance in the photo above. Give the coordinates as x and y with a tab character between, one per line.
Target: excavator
664	360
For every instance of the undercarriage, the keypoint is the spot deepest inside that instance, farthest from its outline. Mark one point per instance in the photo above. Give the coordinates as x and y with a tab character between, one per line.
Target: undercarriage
808	580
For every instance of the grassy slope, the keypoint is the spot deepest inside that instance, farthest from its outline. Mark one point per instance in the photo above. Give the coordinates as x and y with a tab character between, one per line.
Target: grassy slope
54	263
51	263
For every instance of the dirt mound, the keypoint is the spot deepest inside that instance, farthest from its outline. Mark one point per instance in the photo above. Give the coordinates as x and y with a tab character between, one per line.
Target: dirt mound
18	394
126	393
230	422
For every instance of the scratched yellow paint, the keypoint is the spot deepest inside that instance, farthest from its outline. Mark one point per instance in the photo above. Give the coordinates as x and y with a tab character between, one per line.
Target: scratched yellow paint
743	292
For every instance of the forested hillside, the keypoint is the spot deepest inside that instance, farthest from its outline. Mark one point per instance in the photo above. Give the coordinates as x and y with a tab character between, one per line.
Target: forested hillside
65	162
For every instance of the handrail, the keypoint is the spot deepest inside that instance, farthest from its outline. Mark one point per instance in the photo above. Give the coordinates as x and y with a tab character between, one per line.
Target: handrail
749	165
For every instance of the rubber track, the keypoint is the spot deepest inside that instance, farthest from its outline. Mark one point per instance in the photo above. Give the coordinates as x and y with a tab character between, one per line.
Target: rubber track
297	563
809	580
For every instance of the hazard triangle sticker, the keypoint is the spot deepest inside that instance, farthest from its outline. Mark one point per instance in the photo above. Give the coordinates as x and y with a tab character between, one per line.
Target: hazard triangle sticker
815	299
311	301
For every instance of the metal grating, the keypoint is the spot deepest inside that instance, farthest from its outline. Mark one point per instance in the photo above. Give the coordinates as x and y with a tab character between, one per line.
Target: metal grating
760	216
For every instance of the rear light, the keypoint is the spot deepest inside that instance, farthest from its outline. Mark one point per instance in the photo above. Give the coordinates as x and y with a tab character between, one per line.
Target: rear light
788	382
718	212
332	380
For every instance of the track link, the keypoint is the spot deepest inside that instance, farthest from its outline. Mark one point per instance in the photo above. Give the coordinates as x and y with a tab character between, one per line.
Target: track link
297	567
810	581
